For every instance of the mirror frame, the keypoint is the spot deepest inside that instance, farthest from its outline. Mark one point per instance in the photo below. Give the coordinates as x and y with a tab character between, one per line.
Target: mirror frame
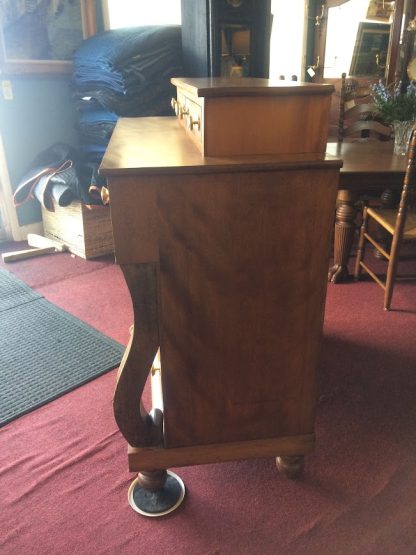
29	66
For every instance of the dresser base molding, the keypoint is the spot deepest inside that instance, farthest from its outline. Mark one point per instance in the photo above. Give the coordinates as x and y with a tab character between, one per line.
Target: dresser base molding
153	458
157	491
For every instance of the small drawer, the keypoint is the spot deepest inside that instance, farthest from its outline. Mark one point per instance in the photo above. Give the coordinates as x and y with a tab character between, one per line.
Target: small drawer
179	106
193	118
189	113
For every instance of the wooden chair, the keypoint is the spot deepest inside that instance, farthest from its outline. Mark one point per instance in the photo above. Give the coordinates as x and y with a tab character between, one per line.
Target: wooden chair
399	223
357	113
358	123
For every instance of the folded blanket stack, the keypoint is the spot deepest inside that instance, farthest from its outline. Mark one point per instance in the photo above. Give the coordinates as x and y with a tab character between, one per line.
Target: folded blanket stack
94	130
123	72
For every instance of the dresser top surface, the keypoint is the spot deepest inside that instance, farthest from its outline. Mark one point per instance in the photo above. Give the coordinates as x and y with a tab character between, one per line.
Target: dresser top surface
159	145
248	86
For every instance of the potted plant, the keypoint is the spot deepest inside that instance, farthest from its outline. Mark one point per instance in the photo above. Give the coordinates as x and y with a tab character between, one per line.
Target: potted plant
396	105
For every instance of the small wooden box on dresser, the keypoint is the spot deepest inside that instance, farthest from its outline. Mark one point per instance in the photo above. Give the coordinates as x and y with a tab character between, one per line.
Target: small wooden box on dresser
225	254
234	117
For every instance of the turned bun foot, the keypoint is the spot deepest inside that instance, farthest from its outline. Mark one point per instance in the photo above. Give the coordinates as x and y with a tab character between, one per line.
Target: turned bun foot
338	273
156	493
291	467
153	480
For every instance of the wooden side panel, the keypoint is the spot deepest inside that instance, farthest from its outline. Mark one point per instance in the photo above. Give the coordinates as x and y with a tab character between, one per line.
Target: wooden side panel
243	265
264	125
134	219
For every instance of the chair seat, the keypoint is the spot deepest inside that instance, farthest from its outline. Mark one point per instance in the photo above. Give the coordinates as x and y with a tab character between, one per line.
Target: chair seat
387	219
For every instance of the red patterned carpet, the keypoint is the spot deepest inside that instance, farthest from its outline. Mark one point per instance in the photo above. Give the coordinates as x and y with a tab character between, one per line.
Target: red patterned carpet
63	467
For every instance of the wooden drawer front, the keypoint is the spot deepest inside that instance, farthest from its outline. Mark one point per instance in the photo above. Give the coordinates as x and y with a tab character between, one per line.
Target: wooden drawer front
190	114
193	119
180	107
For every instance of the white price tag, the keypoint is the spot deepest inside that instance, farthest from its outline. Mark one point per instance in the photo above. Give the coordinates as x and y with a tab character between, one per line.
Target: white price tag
6	87
310	72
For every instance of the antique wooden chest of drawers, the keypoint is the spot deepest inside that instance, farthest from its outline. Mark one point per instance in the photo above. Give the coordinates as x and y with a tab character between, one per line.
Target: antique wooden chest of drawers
225	257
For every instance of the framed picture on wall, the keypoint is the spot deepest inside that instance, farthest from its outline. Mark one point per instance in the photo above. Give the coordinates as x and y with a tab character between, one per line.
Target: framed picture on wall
40	36
371	47
380	10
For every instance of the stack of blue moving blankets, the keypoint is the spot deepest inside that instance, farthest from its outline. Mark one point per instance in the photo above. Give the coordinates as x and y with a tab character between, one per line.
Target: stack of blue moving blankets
123	72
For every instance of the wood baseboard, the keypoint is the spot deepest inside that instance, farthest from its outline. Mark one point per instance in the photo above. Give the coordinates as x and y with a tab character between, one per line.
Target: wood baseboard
152	458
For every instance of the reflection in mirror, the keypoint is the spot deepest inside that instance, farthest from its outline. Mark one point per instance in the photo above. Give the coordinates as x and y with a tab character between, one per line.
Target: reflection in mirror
235	50
41	30
40	36
357	38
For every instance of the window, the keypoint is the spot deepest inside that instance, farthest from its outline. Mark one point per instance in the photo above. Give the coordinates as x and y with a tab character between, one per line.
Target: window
287	39
129	13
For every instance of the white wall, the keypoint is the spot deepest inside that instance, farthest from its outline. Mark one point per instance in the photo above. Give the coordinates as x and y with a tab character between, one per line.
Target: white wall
287	45
11	229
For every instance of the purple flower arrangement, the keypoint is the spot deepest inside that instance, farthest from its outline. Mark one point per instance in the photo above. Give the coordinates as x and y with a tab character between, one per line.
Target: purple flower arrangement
395	102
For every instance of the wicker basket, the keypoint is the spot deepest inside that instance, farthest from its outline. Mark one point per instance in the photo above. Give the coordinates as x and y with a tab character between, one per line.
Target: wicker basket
86	232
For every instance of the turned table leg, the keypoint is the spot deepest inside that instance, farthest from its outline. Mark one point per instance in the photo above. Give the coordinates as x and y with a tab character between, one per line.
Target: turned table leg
156	492
291	466
343	235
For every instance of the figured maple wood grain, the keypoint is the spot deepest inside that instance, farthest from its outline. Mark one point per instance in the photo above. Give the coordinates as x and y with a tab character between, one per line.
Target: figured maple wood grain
241	247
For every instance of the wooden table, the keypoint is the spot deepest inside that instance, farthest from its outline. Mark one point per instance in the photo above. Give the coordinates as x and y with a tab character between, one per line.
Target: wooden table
368	167
216	253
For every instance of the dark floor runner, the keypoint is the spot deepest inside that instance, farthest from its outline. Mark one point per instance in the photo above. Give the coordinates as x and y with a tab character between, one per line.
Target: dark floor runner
14	292
44	351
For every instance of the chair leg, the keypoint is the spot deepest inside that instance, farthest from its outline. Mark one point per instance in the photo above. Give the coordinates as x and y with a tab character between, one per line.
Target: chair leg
388	293
361	245
391	273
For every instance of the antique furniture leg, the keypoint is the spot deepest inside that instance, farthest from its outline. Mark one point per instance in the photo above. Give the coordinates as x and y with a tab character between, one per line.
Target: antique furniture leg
343	235
291	466
154	492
